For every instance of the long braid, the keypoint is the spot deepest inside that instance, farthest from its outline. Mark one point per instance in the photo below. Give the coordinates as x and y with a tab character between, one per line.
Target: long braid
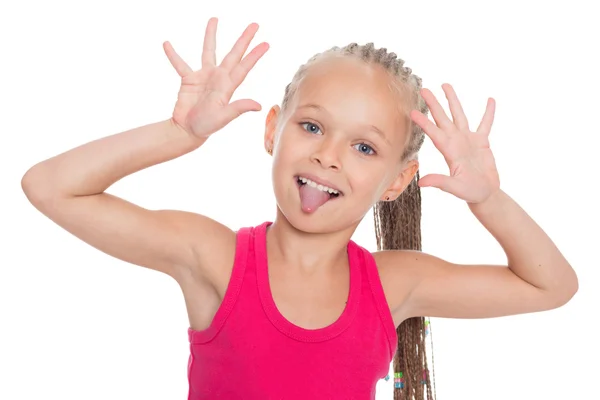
398	222
398	226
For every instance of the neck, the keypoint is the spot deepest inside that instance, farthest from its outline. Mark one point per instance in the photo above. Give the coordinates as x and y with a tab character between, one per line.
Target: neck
307	253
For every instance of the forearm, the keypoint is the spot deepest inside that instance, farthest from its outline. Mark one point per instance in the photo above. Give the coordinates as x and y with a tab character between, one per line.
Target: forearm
530	252
93	167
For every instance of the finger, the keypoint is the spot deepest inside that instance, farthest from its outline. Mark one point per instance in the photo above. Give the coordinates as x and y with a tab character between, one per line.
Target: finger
209	56
485	126
436	135
241	70
458	114
237	108
176	61
441	182
240	47
437	112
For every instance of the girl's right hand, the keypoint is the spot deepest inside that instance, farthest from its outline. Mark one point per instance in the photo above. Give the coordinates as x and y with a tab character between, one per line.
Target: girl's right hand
203	105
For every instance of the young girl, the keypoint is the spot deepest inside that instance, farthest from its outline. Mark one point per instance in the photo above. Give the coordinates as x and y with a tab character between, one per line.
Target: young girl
294	309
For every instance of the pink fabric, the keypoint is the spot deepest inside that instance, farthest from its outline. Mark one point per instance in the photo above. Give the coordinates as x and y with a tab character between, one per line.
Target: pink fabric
250	351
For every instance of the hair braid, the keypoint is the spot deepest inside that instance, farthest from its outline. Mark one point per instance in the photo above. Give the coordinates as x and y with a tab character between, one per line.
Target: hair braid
398	222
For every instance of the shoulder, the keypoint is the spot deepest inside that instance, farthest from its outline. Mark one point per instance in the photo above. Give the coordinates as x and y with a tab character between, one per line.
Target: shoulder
399	274
412	278
213	247
419	284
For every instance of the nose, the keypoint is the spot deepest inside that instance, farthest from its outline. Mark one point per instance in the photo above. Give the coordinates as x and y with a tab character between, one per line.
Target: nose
327	155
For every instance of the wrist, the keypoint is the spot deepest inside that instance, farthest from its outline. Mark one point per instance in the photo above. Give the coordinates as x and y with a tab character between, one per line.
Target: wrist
176	131
493	202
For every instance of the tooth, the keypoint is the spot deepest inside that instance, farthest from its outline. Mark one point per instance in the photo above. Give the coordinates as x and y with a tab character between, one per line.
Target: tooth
317	185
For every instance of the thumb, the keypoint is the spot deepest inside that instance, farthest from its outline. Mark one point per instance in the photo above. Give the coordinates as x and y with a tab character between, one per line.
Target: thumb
239	107
442	182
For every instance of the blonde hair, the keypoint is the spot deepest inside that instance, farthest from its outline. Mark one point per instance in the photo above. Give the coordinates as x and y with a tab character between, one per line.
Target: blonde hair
398	222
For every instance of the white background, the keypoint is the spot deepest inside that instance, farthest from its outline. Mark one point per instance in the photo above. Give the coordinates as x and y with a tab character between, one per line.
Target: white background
77	324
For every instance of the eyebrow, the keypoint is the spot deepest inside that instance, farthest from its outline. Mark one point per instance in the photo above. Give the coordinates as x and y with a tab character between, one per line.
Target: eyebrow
375	129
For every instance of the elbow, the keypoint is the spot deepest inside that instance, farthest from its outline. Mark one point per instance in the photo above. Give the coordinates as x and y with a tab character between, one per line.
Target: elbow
35	185
573	288
571	285
567	297
30	182
27	181
564	293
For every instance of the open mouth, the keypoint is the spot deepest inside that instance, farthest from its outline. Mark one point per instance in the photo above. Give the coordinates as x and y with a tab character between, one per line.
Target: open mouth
333	193
313	194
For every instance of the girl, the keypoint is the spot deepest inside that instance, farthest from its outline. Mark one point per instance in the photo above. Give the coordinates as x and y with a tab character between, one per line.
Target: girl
294	309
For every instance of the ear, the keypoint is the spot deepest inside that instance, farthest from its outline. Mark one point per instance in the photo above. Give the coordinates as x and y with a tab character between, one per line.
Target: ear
401	182
271	127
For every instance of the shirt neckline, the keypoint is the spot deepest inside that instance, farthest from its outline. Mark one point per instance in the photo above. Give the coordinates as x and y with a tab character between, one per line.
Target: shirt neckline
278	320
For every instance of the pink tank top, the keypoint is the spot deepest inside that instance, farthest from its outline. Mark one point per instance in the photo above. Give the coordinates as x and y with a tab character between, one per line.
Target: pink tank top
252	352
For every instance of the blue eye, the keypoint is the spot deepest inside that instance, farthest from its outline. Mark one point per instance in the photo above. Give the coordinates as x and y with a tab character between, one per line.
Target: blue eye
310	127
365	149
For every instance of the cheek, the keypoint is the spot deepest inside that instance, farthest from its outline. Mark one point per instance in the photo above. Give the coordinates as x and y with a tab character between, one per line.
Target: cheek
289	154
370	181
293	146
365	179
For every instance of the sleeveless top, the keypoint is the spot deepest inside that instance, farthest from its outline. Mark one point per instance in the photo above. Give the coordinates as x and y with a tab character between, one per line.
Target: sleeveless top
252	352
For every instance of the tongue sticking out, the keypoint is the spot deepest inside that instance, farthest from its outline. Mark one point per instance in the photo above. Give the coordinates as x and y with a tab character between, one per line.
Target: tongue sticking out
312	198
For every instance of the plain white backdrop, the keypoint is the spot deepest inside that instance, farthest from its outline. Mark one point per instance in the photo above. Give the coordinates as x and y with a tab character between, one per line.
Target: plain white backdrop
77	324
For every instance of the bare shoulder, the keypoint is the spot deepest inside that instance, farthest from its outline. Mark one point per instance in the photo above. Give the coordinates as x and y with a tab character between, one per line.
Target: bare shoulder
204	281
396	272
178	243
193	249
213	248
420	284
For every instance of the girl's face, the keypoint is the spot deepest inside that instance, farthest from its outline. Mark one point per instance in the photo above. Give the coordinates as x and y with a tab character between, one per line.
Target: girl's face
344	130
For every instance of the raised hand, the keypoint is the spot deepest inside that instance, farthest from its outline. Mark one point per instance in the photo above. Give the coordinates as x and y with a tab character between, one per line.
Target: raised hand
473	173
203	103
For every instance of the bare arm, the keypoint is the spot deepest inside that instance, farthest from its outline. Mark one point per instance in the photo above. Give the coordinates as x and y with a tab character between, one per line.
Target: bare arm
536	278
70	188
93	167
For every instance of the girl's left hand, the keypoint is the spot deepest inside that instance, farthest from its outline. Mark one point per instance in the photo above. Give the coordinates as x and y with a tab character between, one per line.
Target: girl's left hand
473	173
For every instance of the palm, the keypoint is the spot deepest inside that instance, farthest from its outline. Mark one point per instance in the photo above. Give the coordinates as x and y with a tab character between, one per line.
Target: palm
473	175
471	165
203	103
201	96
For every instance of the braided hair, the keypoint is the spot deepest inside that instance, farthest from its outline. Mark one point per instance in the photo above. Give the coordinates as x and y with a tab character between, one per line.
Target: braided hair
398	222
